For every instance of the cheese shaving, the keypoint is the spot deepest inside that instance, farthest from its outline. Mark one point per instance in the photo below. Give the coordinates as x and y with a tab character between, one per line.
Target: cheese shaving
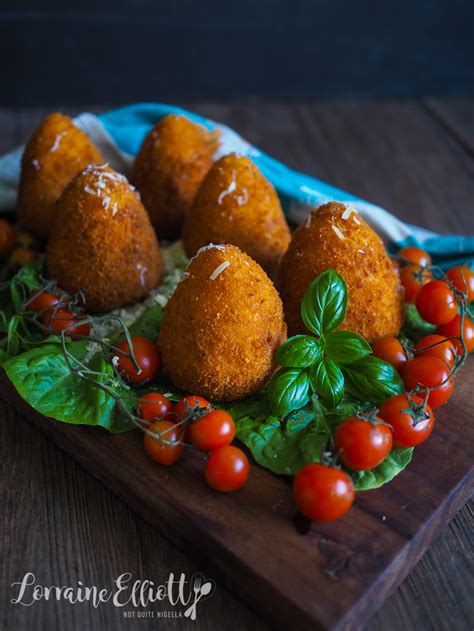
219	269
338	232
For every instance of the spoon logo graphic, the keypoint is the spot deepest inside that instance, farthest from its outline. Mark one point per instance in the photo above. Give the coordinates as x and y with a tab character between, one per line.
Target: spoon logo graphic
202	588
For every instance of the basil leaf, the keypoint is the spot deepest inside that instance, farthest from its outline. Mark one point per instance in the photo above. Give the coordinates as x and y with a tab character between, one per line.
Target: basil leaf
284	448
299	351
345	347
324	304
288	390
393	464
372	379
328	381
44	380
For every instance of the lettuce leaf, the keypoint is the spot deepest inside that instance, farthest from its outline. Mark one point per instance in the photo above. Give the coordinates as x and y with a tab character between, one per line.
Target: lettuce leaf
393	464
43	379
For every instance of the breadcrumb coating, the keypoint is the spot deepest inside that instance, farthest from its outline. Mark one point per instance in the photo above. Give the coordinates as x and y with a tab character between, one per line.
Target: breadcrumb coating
55	153
222	326
336	237
236	204
102	241
171	164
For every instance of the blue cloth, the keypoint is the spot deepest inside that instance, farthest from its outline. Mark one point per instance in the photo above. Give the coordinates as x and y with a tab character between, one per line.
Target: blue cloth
129	125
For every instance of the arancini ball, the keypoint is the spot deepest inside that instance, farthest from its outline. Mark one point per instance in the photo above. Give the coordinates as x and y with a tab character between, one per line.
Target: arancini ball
55	153
336	237
222	326
236	204
102	241
171	164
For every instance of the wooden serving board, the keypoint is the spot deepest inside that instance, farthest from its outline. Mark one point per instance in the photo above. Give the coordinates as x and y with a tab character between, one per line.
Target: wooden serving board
328	576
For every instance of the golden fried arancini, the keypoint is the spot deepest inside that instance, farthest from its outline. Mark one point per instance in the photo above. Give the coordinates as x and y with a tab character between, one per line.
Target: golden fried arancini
55	153
171	164
102	241
222	326
336	237
236	204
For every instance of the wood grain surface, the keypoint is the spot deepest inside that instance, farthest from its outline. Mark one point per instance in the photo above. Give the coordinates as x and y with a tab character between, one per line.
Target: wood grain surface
399	155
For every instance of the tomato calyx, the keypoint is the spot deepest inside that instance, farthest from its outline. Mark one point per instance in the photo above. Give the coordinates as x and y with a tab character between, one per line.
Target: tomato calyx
418	411
194	412
369	415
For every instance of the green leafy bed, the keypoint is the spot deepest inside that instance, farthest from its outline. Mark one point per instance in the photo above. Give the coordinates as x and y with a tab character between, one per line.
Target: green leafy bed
55	378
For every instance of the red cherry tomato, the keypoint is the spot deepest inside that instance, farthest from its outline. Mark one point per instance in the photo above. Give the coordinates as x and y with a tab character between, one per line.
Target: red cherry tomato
166	448
42	300
153	406
22	256
453	329
147	356
323	493
413	278
409	428
7	237
444	349
362	444
184	407
390	350
212	431
436	303
415	255
57	320
227	469
430	372
462	277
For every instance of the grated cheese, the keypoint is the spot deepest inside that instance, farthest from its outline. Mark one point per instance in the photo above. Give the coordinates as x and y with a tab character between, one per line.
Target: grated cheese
338	232
219	269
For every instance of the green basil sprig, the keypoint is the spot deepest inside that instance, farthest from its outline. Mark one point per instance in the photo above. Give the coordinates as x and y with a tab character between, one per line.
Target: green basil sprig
332	361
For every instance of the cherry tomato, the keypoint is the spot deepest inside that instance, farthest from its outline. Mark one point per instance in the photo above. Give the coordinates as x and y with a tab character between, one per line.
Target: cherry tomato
462	277
22	256
390	350
430	372
57	320
212	431
323	493
7	237
453	329
415	255
413	278
147	357
409	429
42	300
444	348
184	407
153	406
363	445
227	469
436	303
159	450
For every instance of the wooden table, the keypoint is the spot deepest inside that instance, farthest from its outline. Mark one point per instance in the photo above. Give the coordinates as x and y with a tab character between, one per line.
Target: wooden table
415	159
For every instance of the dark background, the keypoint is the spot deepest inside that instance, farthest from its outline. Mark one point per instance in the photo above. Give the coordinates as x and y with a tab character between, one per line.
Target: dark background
104	51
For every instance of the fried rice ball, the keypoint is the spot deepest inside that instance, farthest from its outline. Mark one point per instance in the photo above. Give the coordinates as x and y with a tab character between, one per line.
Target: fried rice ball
55	153
336	237
171	164
236	204
102	241
222	326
